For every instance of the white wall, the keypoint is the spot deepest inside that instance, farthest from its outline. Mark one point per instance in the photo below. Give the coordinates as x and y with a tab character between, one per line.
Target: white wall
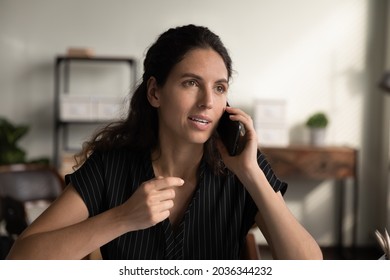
316	55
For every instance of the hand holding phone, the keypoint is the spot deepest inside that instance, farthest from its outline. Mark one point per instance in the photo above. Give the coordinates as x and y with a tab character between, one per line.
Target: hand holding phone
230	131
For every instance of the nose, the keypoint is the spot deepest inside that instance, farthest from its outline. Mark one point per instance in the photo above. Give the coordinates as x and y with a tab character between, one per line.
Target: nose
206	98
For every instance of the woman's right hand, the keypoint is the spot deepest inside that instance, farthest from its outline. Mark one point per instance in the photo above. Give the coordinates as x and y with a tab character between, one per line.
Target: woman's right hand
151	202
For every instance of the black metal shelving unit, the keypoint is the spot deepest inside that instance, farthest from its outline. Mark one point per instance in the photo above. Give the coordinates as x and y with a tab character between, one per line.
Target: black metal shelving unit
61	86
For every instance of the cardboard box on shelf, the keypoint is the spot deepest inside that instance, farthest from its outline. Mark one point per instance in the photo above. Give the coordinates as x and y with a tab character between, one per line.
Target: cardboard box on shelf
77	107
270	122
272	135
80	52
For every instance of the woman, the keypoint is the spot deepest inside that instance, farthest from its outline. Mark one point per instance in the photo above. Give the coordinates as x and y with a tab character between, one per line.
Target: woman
160	184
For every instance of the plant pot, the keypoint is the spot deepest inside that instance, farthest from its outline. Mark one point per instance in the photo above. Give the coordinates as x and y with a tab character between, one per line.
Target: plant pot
317	136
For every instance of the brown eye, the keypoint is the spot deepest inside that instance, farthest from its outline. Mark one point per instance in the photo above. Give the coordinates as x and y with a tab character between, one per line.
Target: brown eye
220	89
190	83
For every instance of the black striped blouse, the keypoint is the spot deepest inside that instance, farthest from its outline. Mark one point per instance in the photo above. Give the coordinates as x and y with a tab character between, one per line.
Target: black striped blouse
214	225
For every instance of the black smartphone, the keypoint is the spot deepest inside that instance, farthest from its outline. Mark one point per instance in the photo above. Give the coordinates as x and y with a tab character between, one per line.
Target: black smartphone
230	131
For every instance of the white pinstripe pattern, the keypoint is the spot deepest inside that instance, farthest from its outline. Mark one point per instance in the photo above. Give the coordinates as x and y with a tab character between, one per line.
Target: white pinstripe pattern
213	227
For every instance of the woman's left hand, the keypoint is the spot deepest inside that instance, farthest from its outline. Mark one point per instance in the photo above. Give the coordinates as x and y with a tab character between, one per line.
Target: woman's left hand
247	159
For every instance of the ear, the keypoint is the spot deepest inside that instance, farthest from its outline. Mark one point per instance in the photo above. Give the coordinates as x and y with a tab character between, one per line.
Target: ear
153	92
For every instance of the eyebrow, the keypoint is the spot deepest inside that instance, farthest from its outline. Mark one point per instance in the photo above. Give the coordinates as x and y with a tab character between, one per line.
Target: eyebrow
192	75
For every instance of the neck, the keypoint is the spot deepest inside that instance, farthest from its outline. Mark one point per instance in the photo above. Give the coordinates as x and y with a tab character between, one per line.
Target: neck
178	162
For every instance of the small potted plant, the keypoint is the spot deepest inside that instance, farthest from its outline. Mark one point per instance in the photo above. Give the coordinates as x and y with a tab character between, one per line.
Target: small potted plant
10	151
317	124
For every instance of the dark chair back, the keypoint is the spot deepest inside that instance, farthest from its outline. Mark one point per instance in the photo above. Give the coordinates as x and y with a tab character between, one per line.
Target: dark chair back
22	183
30	182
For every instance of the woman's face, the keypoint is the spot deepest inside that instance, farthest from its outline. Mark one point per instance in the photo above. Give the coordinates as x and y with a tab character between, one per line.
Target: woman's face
193	98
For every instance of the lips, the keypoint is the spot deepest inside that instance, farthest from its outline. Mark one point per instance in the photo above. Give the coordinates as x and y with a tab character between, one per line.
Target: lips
199	120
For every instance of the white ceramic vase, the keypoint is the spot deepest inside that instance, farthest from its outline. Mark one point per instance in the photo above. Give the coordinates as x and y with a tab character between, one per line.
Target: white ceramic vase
317	136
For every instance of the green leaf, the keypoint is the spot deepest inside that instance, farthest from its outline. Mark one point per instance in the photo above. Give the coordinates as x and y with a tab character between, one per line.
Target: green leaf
317	120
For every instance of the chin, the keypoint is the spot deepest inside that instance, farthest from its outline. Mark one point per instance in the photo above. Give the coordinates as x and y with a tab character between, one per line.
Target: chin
199	140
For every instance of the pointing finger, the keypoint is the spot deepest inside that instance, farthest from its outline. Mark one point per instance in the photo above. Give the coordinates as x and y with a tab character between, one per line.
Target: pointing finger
168	182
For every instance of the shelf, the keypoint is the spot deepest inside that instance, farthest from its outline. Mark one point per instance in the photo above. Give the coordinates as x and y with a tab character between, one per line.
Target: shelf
84	122
87	111
313	162
95	59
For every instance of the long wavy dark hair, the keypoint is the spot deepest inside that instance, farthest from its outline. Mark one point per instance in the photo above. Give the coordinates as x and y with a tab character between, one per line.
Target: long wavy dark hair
139	131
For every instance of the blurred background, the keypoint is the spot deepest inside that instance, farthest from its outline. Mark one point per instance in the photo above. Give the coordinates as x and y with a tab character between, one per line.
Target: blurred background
322	55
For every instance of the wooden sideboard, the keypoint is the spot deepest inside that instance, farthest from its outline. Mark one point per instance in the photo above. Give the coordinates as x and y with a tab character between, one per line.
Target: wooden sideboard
320	163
